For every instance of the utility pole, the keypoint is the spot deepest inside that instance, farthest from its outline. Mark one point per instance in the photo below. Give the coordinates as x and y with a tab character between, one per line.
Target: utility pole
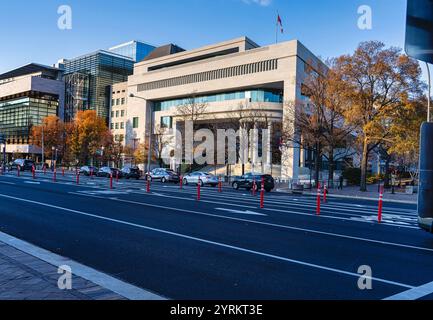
43	147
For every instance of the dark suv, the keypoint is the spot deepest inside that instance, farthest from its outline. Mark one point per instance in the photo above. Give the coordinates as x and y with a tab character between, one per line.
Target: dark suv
131	173
247	181
23	164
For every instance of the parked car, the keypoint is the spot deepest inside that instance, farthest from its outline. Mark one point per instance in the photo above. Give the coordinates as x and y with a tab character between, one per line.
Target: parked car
23	164
131	173
107	172
163	175
202	178
87	170
247	181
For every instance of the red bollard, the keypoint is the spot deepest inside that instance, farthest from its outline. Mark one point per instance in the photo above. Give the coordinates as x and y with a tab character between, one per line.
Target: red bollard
45	169
63	172
111	180
254	187
33	172
325	192
55	175
262	194
318	199
18	171
78	177
379	216
181	182
148	185
198	190
91	173
220	189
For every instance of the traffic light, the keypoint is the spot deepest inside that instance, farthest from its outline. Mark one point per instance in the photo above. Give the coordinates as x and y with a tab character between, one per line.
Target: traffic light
419	30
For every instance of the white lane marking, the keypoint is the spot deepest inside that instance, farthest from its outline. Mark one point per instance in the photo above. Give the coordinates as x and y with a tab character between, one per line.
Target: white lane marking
248	212
218	244
280	201
6	182
262	223
124	289
32	182
414	293
350	218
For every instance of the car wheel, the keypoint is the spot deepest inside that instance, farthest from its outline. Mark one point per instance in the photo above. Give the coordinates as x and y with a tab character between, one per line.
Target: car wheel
248	189
185	182
201	183
149	178
268	190
163	180
235	186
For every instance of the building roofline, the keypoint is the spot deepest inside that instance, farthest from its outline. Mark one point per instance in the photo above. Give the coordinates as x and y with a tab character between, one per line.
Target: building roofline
106	52
130	42
203	48
42	66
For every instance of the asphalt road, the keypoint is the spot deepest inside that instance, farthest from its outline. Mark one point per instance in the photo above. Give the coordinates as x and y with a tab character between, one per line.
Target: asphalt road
223	246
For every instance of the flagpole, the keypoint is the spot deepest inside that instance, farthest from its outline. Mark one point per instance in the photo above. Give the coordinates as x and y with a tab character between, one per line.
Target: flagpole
276	29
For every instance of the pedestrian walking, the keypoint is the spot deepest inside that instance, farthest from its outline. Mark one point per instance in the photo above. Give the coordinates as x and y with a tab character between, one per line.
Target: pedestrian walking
340	186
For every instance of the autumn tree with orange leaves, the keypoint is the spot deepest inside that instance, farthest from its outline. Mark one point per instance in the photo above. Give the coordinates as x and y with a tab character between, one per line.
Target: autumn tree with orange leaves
377	83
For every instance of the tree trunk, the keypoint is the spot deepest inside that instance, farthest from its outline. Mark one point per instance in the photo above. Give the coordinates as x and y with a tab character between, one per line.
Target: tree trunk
317	165
331	168
364	164
386	180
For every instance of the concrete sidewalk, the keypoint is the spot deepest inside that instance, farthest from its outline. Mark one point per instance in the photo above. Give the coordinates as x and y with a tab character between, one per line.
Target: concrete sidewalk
353	192
25	277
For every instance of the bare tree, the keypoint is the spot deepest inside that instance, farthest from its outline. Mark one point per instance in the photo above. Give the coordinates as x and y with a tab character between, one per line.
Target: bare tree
160	142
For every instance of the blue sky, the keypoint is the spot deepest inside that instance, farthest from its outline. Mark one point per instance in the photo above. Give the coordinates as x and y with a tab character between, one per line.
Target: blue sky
29	33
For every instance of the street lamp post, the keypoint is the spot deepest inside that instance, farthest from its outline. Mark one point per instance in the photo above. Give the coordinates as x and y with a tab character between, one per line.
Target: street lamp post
149	152
52	157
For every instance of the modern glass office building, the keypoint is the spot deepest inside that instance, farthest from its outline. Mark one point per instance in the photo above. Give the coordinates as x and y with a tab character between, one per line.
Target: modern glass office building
88	79
135	50
28	94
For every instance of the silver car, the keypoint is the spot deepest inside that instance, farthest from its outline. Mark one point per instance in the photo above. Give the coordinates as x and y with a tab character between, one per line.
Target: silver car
201	178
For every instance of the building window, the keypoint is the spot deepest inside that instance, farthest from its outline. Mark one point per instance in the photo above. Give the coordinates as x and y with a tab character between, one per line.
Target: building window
112	114
122	125
117	125
166	122
112	126
123	101
122	113
112	102
135	123
117	114
117	101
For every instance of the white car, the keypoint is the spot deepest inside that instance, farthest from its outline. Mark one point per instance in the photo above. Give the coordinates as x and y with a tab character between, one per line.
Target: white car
201	178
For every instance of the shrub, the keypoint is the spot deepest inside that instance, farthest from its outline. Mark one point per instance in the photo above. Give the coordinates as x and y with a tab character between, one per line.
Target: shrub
352	175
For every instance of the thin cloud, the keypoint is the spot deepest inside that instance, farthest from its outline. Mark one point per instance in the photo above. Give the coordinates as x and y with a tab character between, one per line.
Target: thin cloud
263	3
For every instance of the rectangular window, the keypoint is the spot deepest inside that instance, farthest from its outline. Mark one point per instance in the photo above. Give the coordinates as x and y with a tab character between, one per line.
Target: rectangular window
112	114
135	123
117	125
112	126
122	113
117	113
122	125
123	101
117	101
112	102
166	122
